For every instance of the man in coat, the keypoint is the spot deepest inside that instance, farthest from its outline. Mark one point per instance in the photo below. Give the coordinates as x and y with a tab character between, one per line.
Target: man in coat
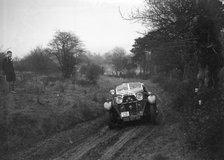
8	71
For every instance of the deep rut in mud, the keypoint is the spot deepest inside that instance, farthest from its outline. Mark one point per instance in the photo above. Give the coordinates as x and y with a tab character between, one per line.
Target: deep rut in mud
106	144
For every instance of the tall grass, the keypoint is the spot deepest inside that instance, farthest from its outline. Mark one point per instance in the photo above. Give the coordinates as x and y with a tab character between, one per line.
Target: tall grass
46	105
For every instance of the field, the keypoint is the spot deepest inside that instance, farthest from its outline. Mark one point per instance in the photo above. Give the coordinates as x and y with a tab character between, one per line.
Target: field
45	105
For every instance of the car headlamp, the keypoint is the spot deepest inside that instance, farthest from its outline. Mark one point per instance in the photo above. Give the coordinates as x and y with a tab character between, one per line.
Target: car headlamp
152	98
139	96
118	99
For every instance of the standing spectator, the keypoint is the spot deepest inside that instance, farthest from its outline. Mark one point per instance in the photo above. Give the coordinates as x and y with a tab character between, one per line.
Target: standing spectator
8	71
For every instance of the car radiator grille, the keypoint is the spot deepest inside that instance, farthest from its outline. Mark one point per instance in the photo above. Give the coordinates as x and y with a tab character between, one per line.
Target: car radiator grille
133	108
129	99
130	104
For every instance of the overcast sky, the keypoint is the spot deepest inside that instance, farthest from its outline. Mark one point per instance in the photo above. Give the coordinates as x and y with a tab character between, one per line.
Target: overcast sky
26	24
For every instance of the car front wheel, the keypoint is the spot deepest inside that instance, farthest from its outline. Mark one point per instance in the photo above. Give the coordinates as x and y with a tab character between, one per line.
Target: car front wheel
111	121
153	113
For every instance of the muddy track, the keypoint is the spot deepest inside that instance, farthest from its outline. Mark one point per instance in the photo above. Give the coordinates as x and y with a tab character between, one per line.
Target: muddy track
88	144
97	143
106	144
109	144
130	137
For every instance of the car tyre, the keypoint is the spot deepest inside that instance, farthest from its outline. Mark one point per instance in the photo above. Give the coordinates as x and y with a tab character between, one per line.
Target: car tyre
112	121
153	114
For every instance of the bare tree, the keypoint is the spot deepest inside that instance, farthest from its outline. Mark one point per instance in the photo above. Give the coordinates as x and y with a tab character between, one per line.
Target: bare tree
186	31
118	58
67	48
37	61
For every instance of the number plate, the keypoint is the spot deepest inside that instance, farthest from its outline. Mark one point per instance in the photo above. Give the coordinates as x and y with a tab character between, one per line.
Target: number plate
124	114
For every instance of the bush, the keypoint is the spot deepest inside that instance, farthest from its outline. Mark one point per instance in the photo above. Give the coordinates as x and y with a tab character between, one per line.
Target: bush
50	80
37	61
183	95
92	72
203	124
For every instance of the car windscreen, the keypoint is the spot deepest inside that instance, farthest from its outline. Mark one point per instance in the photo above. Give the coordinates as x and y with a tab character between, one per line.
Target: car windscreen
121	89
135	86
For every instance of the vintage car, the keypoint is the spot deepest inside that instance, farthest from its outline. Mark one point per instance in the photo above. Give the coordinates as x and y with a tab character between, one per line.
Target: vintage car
131	101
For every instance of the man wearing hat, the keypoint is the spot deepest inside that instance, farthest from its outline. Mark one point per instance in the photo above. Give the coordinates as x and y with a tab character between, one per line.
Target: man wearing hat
8	71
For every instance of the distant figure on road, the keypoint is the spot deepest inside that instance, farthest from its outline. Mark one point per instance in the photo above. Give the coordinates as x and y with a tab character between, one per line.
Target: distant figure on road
8	71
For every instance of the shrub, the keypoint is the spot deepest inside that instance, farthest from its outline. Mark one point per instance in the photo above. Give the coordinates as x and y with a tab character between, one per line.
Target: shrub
36	87
49	80
183	95
92	72
202	124
37	61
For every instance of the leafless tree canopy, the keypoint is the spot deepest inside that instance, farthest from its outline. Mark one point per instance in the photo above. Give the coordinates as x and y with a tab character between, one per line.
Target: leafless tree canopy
66	47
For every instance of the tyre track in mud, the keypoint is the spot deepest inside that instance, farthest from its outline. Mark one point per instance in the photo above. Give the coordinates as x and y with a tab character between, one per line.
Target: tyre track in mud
126	138
107	143
94	146
132	145
89	143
